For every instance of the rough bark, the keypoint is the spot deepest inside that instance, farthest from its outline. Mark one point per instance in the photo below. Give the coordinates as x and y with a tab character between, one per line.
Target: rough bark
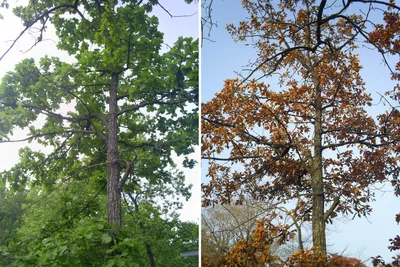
113	190
318	222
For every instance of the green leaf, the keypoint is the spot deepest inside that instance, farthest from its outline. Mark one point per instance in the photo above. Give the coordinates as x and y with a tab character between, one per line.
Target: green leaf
105	238
62	249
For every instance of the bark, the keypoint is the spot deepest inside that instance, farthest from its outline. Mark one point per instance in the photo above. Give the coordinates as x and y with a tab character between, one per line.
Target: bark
318	222
150	255
113	190
299	236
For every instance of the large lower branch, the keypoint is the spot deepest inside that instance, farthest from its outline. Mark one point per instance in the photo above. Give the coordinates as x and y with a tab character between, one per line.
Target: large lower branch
231	158
66	180
59	116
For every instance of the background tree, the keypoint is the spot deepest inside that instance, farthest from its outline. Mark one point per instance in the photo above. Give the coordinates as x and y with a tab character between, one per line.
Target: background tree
312	136
225	225
229	231
260	247
10	213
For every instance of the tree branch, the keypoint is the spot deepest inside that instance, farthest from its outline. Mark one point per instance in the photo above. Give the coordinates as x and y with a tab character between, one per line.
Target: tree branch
128	171
41	16
335	203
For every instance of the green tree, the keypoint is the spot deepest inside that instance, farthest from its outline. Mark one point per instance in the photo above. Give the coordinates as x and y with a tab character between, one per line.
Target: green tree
10	213
125	95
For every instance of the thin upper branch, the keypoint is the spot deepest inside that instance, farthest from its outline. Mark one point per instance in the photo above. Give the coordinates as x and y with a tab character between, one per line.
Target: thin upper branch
39	17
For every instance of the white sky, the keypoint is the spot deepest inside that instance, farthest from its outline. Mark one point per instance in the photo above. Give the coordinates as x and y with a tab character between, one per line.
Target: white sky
172	29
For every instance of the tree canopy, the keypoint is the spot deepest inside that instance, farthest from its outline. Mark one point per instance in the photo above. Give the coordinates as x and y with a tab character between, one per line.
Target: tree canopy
310	138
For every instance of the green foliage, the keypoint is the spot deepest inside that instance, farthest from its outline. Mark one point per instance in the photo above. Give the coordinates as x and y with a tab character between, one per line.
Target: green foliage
85	241
10	214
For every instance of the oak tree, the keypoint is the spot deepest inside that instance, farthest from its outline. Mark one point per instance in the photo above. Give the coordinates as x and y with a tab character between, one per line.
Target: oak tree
309	135
118	75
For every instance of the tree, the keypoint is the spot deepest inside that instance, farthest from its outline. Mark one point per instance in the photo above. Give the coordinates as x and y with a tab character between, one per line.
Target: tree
225	225
260	247
10	213
41	16
311	136
118	74
113	120
237	234
68	227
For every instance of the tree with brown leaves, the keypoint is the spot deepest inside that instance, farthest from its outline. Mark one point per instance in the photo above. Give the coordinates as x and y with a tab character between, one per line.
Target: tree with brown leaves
309	136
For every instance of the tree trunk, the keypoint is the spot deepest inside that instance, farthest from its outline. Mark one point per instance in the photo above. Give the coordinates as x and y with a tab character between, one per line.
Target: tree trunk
318	222
113	191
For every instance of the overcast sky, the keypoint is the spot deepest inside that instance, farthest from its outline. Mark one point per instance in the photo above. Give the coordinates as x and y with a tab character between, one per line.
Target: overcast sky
171	27
361	238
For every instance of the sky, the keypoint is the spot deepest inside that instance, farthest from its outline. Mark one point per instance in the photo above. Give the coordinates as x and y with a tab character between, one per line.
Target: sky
222	57
187	25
